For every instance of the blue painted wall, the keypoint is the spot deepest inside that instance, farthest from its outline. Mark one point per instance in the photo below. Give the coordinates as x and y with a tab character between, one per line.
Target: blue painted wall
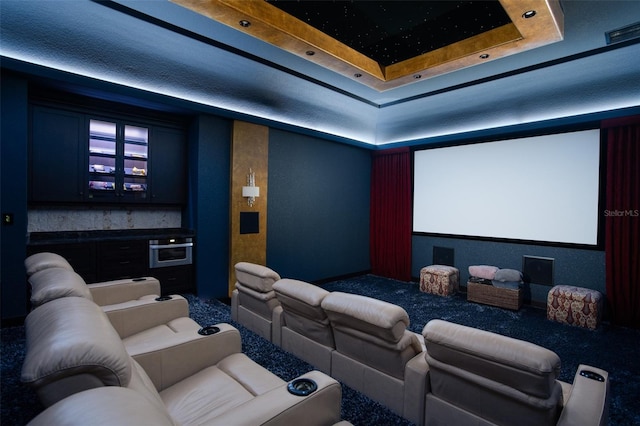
318	208
13	199
583	268
208	207
318	211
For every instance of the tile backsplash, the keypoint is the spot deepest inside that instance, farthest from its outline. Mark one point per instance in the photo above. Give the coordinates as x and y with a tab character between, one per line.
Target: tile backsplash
83	219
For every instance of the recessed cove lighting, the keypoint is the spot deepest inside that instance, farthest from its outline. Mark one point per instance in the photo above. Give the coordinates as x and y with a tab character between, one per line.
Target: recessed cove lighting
310	52
529	14
244	23
484	56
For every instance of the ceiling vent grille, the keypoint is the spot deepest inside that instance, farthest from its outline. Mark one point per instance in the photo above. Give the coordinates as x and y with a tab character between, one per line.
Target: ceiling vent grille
623	34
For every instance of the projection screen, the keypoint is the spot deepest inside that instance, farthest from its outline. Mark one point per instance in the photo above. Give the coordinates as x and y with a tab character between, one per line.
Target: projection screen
542	188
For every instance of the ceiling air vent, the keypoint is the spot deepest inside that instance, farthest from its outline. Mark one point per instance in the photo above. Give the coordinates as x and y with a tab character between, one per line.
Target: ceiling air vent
623	34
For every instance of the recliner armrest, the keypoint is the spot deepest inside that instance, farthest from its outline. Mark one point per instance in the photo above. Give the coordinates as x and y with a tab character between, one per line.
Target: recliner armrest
279	407
416	387
277	322
175	358
135	316
119	291
588	403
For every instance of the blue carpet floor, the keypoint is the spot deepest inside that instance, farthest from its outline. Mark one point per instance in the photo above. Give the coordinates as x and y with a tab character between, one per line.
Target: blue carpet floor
612	348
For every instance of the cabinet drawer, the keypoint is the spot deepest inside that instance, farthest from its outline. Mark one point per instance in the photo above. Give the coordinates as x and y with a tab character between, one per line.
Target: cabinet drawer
174	279
122	259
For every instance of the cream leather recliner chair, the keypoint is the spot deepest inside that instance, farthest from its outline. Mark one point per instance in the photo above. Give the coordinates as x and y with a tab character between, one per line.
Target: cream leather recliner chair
253	300
482	378
305	330
104	293
71	347
148	326
128	304
376	354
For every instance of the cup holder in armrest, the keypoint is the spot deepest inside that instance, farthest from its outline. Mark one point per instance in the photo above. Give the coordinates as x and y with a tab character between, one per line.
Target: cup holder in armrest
163	298
208	330
302	387
591	375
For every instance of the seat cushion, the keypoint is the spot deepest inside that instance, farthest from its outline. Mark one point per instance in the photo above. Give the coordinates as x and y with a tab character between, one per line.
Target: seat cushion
54	283
174	332
202	397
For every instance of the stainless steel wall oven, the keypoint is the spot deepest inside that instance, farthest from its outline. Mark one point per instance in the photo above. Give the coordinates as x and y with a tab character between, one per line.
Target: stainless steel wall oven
170	252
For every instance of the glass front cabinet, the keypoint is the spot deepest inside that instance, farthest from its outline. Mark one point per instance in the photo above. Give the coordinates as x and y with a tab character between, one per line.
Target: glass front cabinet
118	160
85	157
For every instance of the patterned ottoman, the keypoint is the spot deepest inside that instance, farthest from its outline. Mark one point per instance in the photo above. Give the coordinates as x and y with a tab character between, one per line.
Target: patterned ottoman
575	306
439	279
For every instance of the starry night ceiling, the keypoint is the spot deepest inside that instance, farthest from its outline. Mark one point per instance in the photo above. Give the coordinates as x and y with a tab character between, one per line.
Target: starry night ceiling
393	31
388	44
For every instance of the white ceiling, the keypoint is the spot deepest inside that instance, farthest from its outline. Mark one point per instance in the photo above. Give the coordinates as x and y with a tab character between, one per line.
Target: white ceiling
162	48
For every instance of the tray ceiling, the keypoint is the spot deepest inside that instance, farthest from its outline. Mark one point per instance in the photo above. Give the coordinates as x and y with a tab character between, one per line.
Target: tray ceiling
387	44
164	56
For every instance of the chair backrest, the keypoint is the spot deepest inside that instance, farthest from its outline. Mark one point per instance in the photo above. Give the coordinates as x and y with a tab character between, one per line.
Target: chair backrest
302	306
255	287
71	346
500	379
44	260
54	283
371	331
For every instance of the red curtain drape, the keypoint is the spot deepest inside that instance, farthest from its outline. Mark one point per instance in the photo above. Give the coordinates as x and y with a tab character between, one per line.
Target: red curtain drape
390	220
622	220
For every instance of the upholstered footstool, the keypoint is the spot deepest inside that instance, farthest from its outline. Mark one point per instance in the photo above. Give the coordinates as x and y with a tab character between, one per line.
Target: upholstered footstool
575	306
439	279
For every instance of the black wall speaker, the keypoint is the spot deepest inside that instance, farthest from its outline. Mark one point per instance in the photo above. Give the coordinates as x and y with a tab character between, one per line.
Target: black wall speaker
442	256
537	270
249	222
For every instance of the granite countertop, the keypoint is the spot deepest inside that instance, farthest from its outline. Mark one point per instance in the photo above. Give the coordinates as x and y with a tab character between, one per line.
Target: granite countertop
61	237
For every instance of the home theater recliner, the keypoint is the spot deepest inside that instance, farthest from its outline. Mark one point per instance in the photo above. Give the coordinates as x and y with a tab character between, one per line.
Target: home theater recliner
361	341
305	329
180	373
253	300
451	374
72	347
376	354
103	293
132	305
482	378
130	313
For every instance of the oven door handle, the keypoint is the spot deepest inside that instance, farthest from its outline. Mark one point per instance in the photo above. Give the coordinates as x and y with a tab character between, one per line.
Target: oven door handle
164	246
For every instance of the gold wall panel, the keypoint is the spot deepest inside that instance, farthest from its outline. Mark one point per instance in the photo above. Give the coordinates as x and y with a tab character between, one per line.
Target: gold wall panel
249	150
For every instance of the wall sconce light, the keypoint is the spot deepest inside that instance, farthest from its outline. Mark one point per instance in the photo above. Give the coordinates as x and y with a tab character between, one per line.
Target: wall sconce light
251	191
